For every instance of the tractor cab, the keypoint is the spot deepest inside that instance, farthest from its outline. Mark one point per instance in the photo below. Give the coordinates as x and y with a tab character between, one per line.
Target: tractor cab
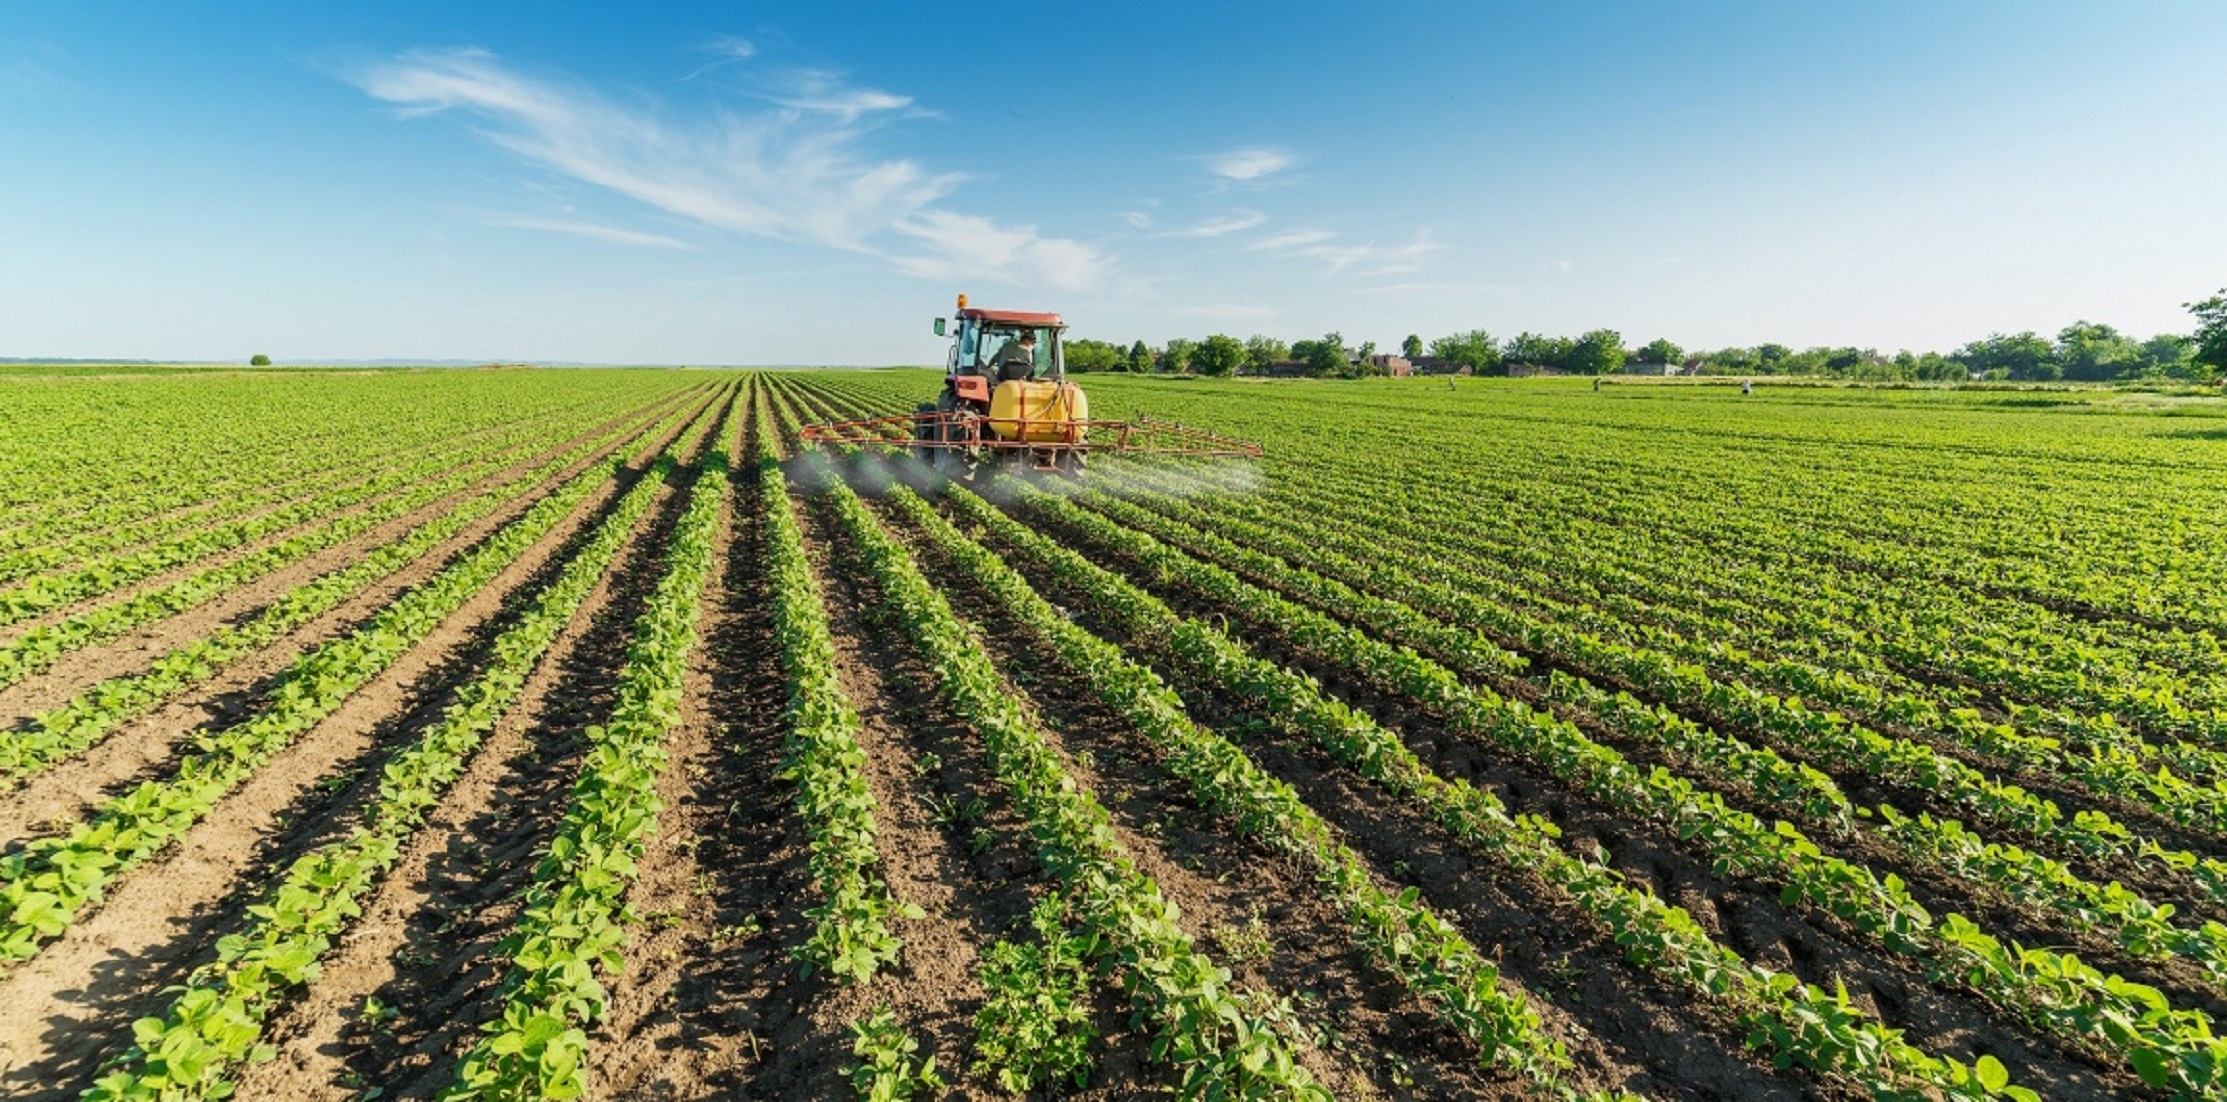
1004	345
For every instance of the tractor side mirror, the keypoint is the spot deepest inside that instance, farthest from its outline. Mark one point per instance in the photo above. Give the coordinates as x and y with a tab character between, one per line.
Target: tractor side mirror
939	327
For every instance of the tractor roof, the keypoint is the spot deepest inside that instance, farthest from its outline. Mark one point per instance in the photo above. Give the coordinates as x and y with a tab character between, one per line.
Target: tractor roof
1013	317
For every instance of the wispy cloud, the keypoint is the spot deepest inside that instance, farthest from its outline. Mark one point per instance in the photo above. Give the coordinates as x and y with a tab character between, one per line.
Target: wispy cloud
970	246
1222	227
724	50
1368	259
1248	164
795	170
594	231
1292	240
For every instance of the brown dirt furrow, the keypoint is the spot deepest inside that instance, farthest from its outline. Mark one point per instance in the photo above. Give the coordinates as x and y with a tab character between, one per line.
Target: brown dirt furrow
71	1006
133	651
425	945
1743	913
149	743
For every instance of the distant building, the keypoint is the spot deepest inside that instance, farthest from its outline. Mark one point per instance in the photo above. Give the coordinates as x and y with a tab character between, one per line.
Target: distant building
1395	366
1286	369
1526	371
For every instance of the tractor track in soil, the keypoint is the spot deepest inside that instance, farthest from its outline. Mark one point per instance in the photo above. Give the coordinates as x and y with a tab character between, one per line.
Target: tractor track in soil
1743	914
150	744
425	942
131	652
1225	882
70	1007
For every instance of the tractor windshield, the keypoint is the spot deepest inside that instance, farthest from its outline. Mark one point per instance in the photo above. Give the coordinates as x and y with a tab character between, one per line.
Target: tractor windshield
1018	352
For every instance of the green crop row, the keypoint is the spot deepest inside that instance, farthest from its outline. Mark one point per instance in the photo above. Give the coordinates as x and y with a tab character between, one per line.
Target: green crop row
851	938
93	713
1220	1041
2141	927
571	929
46	884
1408	938
216	1023
1798	1023
2168	1048
2108	757
217	511
41	646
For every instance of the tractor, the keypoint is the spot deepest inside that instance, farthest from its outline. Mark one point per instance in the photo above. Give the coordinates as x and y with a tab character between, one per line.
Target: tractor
1006	401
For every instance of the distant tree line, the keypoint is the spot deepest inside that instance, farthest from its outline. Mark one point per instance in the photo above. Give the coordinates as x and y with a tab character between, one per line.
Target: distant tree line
2086	351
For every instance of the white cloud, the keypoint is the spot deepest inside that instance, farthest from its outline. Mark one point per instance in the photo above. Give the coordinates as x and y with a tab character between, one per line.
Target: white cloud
969	246
725	50
1248	164
1219	227
1379	260
1137	219
819	90
591	230
795	171
1291	240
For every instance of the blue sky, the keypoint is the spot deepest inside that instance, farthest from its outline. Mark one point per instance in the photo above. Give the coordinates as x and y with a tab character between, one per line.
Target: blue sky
759	183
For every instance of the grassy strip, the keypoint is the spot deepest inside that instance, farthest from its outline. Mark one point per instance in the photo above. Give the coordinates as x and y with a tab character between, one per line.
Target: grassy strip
1408	938
1223	1046
2110	1016
46	884
216	1023
91	715
571	926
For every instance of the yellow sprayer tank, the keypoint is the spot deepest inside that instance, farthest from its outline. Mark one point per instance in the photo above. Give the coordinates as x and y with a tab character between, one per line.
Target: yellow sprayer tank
1037	412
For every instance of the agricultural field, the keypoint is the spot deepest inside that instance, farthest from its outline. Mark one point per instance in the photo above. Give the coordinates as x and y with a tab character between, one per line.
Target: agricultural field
557	734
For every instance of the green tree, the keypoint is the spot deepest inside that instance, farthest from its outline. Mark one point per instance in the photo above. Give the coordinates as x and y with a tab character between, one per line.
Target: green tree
2089	351
1539	351
2166	356
1176	357
259	360
1324	357
1475	350
1090	355
1260	351
1219	354
2211	334
1659	351
1140	359
1600	352
2018	356
1412	347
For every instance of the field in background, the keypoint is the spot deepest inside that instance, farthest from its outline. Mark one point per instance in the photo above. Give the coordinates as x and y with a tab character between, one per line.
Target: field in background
525	733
